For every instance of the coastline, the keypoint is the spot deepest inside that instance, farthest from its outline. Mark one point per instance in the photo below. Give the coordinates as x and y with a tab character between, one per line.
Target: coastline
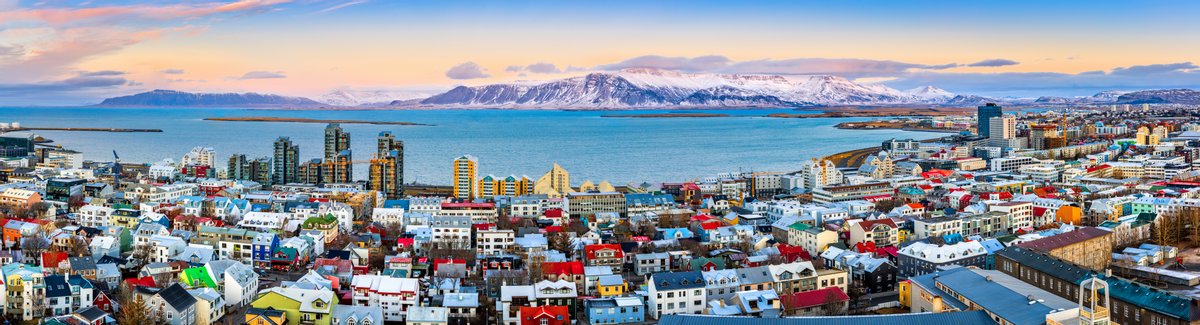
118	130
667	115
307	120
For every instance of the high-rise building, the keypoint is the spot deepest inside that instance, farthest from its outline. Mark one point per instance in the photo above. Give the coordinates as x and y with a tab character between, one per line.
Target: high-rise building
257	170
465	169
984	116
286	160
387	175
389	155
1038	135
1003	132
336	141
311	172
237	167
338	169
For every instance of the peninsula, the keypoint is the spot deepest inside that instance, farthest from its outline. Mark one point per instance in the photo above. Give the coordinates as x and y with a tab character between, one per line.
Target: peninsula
307	120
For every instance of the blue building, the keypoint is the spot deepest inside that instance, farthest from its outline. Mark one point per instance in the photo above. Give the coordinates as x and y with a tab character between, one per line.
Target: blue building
985	113
263	246
620	310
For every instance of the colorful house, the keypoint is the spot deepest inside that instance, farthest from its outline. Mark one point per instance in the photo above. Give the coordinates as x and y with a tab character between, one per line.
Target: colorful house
545	315
300	306
196	277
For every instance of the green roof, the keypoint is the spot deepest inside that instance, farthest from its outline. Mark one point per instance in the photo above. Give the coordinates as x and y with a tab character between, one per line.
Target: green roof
312	222
195	277
800	226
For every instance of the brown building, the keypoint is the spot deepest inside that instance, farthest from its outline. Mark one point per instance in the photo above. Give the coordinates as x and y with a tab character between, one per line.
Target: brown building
1132	302
1089	247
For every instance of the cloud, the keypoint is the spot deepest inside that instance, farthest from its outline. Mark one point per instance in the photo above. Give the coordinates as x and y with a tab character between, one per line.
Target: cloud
81	81
706	63
48	42
102	73
993	63
540	67
262	75
467	70
1155	69
11	51
132	13
851	68
341	6
172	71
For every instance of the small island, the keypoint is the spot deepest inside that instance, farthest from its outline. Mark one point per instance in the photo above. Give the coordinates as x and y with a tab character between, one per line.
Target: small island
307	120
665	115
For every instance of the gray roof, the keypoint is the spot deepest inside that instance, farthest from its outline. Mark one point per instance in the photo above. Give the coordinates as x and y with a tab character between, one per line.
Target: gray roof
460	300
977	317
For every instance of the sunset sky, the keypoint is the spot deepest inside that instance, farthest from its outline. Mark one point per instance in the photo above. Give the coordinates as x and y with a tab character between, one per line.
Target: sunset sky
78	52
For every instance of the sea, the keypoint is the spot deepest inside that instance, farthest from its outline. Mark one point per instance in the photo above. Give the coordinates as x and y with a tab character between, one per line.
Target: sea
505	142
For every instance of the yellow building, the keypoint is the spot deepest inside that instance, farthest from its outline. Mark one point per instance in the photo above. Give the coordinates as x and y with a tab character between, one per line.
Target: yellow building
269	316
465	169
387	174
1147	138
555	183
611	286
904	288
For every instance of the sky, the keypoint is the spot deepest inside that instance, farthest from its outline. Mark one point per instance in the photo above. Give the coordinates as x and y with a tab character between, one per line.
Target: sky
79	52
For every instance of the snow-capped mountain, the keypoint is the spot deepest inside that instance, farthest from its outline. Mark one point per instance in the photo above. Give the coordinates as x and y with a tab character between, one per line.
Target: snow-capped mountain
634	88
930	93
1161	96
352	97
160	97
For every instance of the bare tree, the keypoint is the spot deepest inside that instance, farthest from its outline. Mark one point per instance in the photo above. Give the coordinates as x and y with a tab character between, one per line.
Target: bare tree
833	304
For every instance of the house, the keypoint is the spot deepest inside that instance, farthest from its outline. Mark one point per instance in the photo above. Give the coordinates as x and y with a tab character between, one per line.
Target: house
268	316
545	315
300	306
58	295
357	315
556	293
721	284
882	232
84	316
263	245
210	307
25	286
611	285
394	296
238	282
423	315
676	293
569	271
821	302
616	310
644	264
793	277
462	307
174	303
759	303
1089	247
609	255
923	258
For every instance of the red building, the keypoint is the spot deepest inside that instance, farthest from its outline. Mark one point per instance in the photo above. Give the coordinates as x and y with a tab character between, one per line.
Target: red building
545	315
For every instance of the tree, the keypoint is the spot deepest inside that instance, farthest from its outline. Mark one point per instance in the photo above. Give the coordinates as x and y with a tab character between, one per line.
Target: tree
559	241
133	308
833	304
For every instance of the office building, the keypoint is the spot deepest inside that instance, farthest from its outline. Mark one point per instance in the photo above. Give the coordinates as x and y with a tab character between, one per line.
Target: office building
984	116
1003	132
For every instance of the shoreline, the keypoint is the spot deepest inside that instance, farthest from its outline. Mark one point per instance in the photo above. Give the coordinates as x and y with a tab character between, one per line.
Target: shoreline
307	120
115	130
665	115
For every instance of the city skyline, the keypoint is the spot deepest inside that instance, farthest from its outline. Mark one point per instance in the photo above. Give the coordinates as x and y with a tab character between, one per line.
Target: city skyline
66	53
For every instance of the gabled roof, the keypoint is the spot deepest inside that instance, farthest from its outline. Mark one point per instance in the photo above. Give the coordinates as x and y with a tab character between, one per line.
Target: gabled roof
1065	239
177	297
677	280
